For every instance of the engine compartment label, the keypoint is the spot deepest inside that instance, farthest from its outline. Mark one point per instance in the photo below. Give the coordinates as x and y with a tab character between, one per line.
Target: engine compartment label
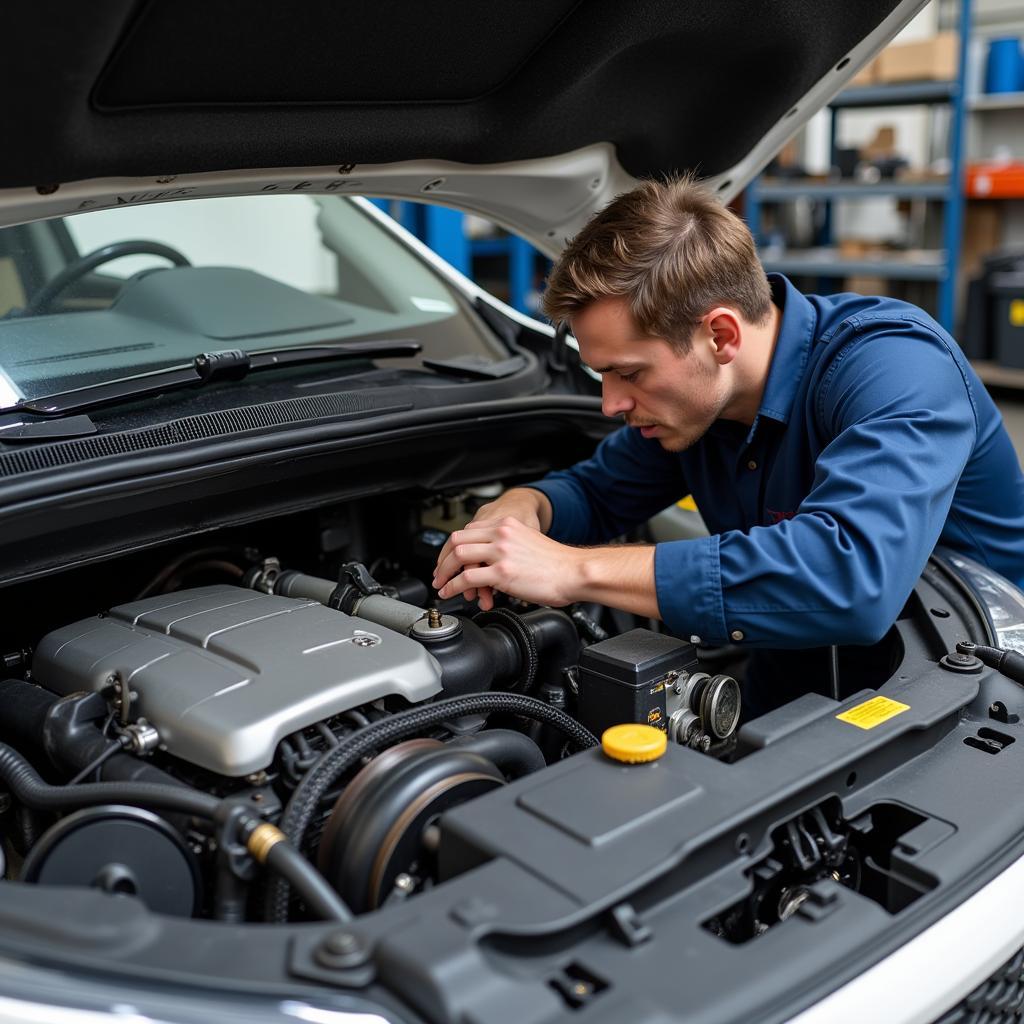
873	712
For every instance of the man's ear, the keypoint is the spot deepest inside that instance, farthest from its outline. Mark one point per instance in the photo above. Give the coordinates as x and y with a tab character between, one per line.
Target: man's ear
726	336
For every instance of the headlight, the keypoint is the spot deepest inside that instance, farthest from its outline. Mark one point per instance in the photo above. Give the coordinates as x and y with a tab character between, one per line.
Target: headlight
1001	599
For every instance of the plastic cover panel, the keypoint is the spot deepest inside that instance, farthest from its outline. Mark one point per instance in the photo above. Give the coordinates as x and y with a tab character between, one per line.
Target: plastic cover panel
225	673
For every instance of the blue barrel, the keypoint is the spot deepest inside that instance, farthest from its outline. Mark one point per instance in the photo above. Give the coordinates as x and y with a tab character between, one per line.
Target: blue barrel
1004	71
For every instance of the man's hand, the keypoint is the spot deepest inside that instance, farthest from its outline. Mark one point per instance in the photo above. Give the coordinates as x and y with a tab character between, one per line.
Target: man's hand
505	551
509	555
530	507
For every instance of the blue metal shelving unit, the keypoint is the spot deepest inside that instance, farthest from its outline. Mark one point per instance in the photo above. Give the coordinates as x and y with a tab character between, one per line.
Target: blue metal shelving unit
444	231
825	263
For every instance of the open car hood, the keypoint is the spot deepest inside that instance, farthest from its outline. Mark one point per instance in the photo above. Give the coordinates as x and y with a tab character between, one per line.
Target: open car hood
534	115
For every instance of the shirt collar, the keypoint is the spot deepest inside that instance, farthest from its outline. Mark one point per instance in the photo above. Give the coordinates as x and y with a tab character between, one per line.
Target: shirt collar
791	350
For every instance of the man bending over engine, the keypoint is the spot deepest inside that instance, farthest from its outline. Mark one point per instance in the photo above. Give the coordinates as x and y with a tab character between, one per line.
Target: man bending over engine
830	443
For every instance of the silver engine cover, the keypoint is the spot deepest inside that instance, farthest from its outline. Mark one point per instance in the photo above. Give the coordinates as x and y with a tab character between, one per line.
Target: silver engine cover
225	673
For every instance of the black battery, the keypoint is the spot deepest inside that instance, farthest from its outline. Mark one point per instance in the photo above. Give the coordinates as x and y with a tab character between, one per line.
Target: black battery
627	678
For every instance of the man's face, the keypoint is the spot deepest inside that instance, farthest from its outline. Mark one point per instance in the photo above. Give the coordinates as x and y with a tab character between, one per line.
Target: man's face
668	396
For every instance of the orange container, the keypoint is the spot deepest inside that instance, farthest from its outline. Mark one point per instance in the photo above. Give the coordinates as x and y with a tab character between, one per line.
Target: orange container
996	181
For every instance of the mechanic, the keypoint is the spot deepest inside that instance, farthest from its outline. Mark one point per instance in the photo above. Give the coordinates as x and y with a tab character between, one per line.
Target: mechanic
830	443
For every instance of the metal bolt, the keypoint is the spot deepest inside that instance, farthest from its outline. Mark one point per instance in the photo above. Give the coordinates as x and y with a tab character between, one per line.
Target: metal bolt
342	949
961	660
142	737
405	883
341	943
433	618
699	741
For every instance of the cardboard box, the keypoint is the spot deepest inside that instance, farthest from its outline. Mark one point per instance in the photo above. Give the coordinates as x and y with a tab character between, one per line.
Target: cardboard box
982	235
882	146
853	249
868	75
933	59
865	284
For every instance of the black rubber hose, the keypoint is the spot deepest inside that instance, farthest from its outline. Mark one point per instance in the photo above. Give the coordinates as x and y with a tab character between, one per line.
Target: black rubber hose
316	892
308	794
71	733
589	626
24	782
1009	663
23	710
557	642
513	753
27	829
96	762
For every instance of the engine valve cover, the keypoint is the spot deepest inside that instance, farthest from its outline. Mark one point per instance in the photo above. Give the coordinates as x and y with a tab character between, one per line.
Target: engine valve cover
225	673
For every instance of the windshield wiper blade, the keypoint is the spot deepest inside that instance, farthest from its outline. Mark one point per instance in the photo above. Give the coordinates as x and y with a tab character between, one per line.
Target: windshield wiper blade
208	368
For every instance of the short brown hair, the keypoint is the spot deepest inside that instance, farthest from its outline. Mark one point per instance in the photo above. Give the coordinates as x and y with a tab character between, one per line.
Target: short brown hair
673	251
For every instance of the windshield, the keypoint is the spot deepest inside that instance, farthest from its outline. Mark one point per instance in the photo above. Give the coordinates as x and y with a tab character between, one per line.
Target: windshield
107	293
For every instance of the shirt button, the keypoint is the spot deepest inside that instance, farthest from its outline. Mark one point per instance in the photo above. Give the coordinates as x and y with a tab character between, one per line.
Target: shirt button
751	464
737	635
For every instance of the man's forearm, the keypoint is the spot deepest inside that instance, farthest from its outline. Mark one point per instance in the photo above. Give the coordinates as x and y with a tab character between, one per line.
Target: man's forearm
620	576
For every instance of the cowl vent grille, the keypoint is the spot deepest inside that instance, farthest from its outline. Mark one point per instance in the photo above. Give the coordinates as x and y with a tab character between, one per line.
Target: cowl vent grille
190	428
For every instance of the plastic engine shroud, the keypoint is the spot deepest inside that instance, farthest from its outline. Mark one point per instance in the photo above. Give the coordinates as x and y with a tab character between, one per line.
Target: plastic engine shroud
225	673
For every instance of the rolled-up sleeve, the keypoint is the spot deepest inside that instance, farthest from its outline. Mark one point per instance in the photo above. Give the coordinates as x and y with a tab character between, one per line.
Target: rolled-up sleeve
626	481
902	422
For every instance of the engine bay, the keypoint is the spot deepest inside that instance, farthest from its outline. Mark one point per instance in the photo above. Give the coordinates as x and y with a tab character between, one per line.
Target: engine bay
279	724
236	675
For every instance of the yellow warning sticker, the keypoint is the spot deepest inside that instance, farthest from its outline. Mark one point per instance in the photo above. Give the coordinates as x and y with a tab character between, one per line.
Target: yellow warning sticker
689	505
1017	312
873	712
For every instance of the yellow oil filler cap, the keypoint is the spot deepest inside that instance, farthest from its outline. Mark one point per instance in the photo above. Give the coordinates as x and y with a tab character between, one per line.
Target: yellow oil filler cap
633	743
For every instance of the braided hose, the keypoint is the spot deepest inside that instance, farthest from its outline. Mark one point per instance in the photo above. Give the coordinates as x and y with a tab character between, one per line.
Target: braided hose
308	794
524	640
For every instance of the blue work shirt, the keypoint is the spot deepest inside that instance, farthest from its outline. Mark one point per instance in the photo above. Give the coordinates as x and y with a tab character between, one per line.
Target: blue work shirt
874	442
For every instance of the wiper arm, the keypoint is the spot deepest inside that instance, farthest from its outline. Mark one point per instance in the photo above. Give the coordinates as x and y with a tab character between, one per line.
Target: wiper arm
208	368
